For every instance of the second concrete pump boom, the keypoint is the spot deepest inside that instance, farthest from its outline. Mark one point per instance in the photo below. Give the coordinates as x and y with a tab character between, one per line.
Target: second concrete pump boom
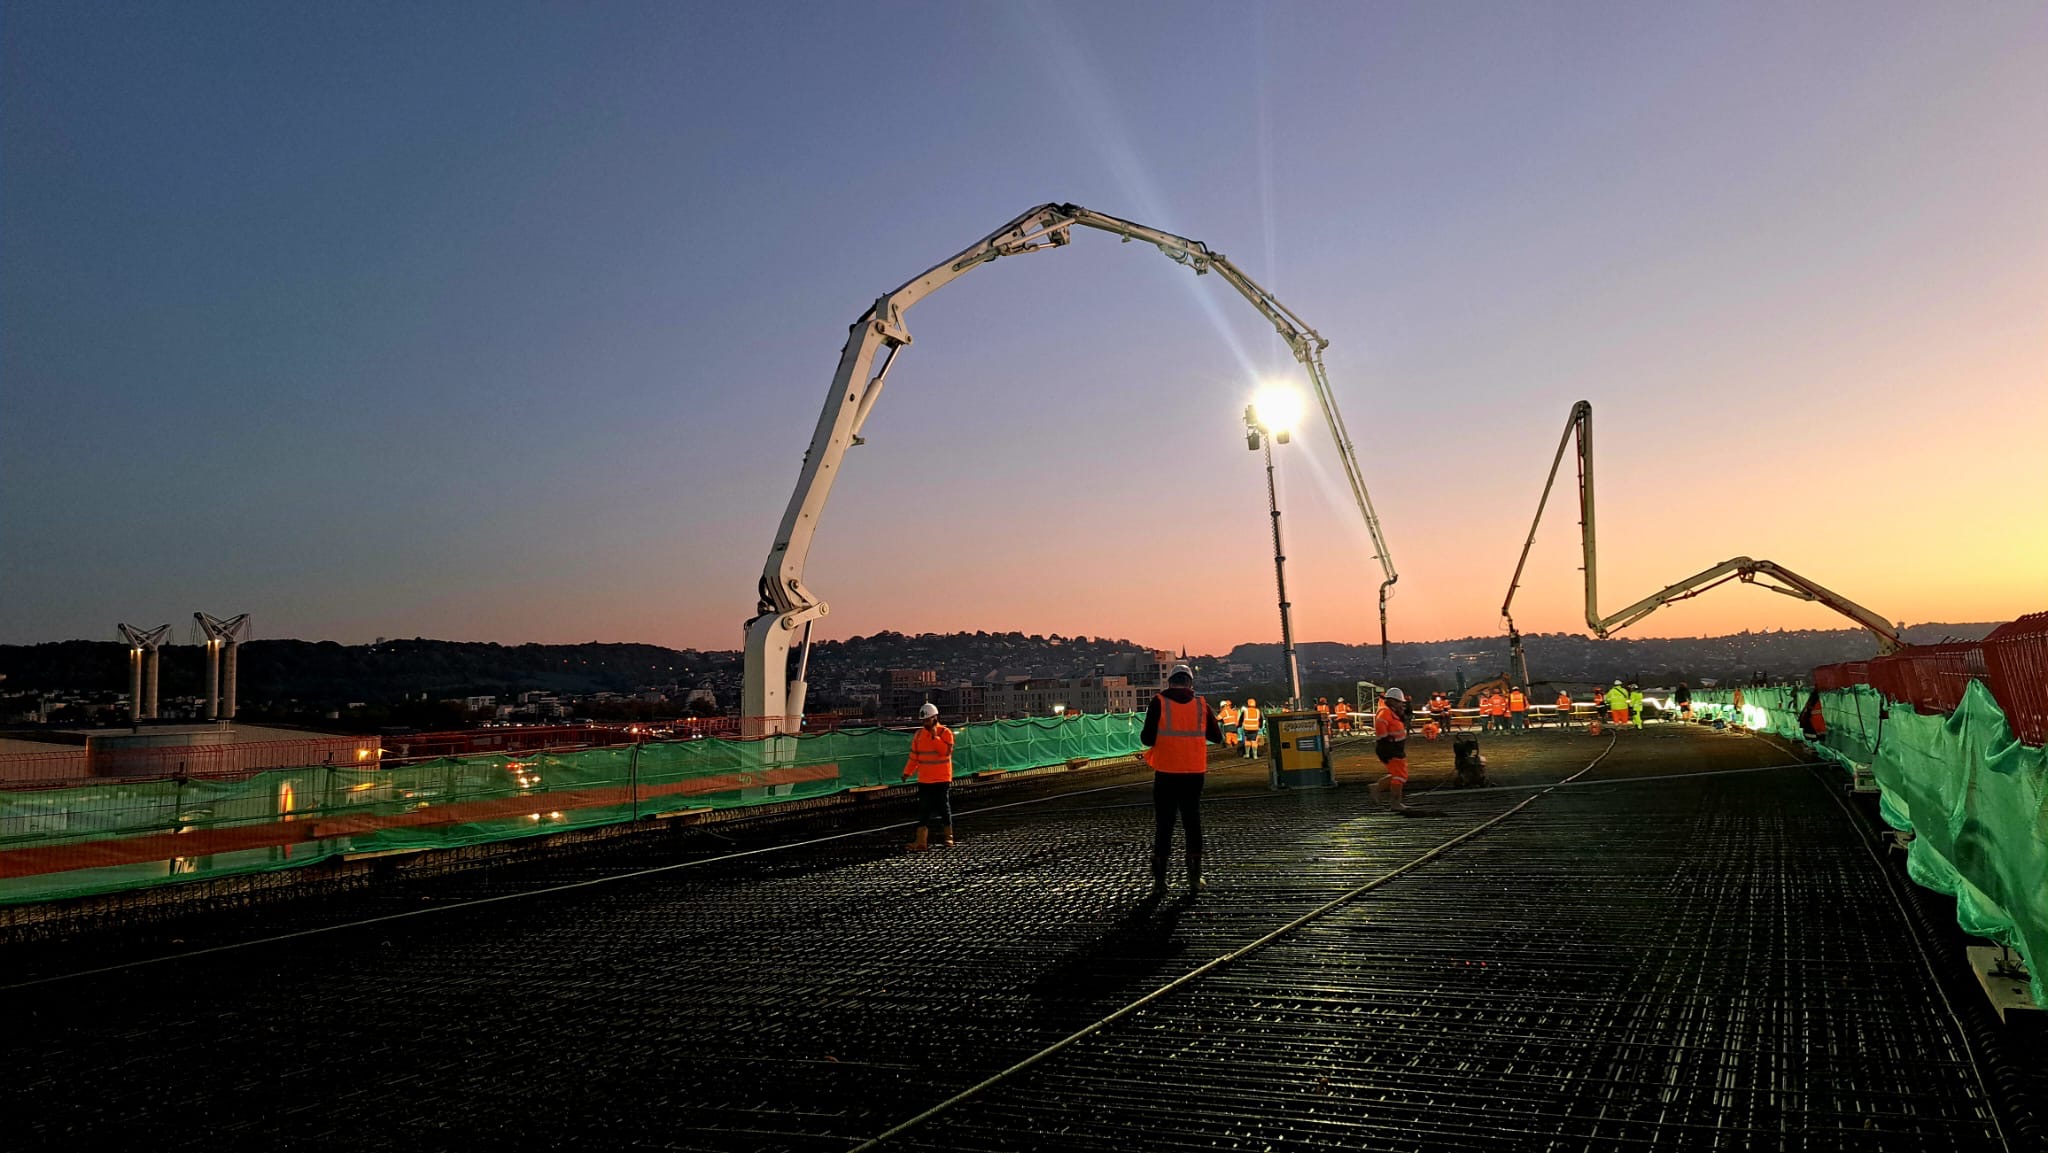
1579	426
772	698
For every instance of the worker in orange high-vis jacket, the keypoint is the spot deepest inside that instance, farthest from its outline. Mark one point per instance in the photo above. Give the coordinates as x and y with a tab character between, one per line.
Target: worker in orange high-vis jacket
931	762
1812	720
1564	707
1440	709
1391	747
1179	728
1226	718
1518	708
1343	716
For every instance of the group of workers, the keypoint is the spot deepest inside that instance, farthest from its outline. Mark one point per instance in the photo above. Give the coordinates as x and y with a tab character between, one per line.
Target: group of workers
1625	705
1241	727
1509	710
1180	726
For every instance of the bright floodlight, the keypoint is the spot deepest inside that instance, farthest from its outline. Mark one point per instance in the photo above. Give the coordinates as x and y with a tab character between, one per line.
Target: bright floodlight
1279	408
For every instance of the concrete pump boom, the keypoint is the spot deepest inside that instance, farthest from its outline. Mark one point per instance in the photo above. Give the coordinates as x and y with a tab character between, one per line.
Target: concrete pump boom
772	704
1579	426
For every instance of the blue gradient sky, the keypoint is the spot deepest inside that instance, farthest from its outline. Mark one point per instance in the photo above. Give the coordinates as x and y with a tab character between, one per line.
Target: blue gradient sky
511	323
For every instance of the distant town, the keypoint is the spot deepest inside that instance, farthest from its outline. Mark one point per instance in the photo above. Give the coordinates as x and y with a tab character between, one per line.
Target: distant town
426	685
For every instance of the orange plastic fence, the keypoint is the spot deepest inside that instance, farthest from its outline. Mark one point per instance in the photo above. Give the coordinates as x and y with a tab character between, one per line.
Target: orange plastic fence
2012	662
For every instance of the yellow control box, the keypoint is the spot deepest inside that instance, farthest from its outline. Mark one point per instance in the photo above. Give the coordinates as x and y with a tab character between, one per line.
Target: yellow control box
1301	750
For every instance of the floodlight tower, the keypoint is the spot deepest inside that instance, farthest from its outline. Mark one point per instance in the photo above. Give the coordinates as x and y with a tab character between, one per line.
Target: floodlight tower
223	638
143	659
1271	417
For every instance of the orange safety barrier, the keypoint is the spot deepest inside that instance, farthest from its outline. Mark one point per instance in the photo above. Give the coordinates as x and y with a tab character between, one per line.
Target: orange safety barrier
199	842
2012	661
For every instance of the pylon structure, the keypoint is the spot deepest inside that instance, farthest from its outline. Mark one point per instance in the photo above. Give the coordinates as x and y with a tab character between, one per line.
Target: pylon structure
143	659
223	638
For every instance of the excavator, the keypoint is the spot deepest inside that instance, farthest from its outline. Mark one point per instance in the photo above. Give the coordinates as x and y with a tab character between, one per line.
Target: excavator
1480	690
1775	577
773	698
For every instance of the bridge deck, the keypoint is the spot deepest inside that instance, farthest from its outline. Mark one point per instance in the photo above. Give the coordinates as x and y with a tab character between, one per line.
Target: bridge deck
1642	960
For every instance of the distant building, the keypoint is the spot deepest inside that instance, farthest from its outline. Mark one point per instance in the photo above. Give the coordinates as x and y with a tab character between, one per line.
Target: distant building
1145	668
1036	696
903	690
961	702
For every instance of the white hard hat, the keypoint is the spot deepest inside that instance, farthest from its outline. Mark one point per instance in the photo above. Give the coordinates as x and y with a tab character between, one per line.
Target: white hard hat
1182	671
1396	695
927	711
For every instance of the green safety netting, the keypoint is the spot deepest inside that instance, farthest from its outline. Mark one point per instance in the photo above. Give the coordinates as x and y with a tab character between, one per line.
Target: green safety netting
100	838
1974	798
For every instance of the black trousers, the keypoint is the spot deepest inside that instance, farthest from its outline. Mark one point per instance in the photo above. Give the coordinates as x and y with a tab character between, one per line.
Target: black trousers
935	807
1176	795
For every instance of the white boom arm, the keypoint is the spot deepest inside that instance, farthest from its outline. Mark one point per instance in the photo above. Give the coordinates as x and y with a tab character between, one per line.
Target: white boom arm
1580	426
773	700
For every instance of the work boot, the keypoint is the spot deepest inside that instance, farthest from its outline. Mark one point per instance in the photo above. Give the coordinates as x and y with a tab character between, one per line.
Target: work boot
950	842
920	842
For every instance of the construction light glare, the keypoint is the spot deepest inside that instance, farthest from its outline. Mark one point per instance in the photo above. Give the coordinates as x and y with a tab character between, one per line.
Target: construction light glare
1278	407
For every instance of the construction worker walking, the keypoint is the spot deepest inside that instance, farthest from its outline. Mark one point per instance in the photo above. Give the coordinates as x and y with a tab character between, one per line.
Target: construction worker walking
1518	708
1226	717
1248	727
1635	704
1178	731
1391	747
931	762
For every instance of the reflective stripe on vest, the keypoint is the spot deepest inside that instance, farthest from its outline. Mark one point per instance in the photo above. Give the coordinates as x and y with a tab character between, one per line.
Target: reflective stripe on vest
1181	743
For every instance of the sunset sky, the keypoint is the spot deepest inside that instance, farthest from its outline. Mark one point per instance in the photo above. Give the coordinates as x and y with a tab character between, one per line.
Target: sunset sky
511	323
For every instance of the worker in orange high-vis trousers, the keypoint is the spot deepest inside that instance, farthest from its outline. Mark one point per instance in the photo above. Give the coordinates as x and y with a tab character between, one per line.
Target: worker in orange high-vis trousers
1391	747
1179	728
1343	716
1617	704
931	762
1226	718
1518	708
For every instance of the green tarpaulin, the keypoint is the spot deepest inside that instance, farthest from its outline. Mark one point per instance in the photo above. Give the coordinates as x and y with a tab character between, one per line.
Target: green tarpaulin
99	838
1974	797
